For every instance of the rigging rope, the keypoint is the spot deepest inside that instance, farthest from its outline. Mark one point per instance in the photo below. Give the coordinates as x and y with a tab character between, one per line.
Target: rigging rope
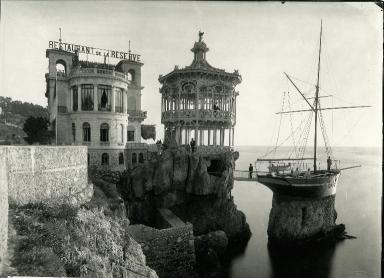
278	132
328	149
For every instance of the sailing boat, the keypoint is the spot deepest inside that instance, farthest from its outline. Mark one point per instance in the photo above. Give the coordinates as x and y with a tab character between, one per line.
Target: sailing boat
283	178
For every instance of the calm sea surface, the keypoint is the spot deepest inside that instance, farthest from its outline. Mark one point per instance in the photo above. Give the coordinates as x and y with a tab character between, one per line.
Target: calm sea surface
358	204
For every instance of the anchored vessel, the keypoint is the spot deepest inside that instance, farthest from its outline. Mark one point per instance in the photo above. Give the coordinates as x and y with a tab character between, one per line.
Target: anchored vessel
283	175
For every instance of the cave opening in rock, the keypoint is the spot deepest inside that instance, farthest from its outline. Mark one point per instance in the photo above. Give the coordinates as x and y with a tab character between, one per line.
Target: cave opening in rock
216	167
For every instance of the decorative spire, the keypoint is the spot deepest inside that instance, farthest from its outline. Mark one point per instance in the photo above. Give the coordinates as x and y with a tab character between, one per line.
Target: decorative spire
200	49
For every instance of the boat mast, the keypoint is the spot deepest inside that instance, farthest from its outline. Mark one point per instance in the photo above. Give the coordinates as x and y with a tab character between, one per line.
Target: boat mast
317	100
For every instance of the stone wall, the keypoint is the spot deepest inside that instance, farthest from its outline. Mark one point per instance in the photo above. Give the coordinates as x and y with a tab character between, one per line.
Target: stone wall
299	219
45	174
3	208
170	252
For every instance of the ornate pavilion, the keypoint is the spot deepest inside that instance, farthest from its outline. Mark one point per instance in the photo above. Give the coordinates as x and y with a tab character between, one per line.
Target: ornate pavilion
199	101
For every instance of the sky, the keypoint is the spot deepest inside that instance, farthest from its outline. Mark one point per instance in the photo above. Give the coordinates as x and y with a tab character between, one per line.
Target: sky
260	39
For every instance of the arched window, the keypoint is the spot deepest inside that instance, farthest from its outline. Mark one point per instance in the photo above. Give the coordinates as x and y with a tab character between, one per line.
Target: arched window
104	159
104	132
141	158
131	75
86	132
73	132
121	158
61	67
134	158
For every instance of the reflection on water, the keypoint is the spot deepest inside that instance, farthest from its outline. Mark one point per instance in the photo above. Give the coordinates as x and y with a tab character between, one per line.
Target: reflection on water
312	261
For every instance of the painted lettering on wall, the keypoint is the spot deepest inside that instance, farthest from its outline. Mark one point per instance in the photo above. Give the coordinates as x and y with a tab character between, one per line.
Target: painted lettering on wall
94	51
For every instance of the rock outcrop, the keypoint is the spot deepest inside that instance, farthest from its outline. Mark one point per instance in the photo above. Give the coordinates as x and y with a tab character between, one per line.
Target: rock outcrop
300	221
195	186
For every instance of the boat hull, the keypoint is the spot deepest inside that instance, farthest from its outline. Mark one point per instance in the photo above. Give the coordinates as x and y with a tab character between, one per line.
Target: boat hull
312	188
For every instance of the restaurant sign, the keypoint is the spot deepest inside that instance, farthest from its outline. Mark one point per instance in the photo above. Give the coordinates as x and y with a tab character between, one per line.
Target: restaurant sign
94	51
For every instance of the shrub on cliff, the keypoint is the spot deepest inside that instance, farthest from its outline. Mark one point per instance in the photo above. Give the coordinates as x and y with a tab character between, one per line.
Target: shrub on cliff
83	243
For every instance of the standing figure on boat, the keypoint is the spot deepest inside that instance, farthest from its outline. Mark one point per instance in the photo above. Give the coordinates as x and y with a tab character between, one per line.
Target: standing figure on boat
250	169
329	163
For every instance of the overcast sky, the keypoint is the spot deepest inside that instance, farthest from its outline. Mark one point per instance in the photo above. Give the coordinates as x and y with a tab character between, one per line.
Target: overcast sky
261	40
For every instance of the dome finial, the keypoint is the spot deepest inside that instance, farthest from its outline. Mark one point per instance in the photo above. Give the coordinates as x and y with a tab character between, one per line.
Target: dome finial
201	36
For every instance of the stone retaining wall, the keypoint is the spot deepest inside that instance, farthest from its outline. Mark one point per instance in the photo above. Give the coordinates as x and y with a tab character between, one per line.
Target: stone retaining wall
3	208
46	174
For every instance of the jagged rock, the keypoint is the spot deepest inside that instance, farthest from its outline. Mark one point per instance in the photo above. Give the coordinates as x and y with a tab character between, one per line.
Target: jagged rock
163	173
180	169
216	240
212	214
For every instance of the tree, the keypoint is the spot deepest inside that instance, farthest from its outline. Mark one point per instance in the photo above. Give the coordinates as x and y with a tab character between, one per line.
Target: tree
36	129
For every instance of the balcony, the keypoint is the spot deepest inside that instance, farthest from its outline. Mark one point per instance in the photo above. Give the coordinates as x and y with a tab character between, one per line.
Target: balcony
99	72
137	115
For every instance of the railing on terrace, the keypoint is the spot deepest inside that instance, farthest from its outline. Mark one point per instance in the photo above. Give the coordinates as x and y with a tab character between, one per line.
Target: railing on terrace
97	71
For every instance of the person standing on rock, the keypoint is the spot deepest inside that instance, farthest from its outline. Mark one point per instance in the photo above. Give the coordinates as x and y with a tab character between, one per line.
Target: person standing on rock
250	169
193	145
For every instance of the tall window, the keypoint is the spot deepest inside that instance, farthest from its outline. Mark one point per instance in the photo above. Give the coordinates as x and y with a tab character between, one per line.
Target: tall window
121	158
86	132
119	100
87	97
104	93
130	135
104	132
141	158
121	133
75	103
104	159
73	132
134	158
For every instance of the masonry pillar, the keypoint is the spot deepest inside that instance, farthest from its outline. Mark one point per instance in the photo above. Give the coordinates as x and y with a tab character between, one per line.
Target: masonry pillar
79	99
125	100
229	136
177	137
201	137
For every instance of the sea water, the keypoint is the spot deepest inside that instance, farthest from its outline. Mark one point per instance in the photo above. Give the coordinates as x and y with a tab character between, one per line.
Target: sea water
358	205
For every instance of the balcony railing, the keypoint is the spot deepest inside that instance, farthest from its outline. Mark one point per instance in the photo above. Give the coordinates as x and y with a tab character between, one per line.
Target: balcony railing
137	113
119	109
211	115
97	71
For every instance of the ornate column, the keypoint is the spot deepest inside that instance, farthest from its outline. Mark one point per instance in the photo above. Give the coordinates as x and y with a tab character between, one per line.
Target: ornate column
214	136
197	134
177	135
95	99
209	136
233	136
113	98
201	137
230	136
125	100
